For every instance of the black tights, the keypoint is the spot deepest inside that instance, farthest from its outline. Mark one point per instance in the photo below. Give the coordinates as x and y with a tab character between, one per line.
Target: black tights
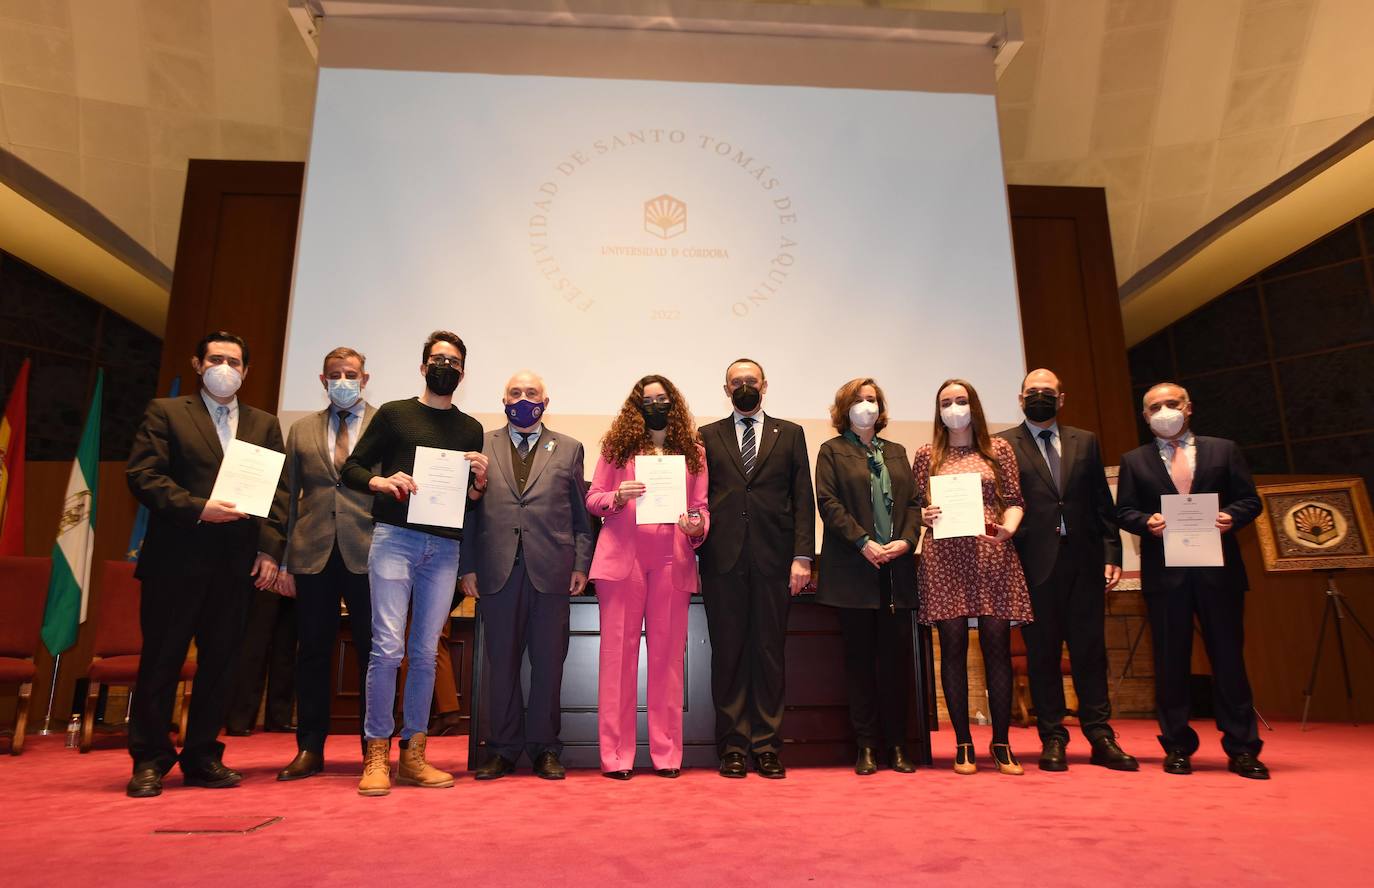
994	637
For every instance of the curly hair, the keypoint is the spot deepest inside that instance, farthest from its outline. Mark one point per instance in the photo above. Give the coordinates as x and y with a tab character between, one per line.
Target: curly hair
628	435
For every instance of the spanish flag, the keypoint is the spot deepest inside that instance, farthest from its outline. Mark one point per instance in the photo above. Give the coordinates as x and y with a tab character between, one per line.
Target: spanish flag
12	465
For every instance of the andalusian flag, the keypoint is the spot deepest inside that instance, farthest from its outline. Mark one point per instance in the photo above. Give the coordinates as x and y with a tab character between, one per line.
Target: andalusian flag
12	465
74	550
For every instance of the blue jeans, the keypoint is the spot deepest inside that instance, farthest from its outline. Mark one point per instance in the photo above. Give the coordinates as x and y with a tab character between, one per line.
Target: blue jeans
412	573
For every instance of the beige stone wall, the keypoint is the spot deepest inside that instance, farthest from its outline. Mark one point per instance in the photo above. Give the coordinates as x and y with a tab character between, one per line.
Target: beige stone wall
1179	108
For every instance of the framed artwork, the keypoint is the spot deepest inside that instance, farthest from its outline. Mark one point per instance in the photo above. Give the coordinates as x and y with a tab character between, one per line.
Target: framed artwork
1316	525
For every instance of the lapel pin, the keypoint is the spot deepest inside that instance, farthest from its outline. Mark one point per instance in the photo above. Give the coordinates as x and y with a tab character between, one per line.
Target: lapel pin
549	446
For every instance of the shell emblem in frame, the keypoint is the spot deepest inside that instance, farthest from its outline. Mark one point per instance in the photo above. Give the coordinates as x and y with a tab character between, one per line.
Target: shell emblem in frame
665	216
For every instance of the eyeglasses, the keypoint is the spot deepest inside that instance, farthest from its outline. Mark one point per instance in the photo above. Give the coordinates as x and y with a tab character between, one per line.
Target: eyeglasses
661	399
445	361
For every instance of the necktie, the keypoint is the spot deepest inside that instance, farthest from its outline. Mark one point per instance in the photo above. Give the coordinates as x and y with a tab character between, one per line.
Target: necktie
341	440
1052	457
747	446
222	425
1178	467
524	448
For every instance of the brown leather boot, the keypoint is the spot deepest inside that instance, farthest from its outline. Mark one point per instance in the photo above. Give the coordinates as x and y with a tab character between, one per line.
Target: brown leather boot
415	771
376	769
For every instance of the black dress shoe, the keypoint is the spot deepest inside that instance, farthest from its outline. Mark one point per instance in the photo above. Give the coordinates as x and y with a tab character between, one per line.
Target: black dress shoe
548	766
146	783
307	763
211	775
897	759
1247	765
1107	754
670	773
238	732
1052	756
732	764
865	763
279	729
769	765
494	767
618	775
1177	763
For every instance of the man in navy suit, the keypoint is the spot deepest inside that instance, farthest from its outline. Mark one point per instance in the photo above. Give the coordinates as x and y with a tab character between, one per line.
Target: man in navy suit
1177	461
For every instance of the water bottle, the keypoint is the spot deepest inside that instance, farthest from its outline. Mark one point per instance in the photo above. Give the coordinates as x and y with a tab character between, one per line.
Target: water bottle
74	732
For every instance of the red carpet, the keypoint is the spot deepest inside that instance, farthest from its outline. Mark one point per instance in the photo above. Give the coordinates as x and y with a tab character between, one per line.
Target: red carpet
68	822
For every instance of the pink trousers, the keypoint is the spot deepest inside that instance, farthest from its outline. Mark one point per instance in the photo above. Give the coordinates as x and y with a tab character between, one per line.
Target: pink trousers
626	605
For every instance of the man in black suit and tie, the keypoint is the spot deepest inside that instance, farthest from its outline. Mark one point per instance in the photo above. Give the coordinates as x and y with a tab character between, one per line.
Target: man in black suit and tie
528	546
328	534
1179	462
1071	551
200	561
757	556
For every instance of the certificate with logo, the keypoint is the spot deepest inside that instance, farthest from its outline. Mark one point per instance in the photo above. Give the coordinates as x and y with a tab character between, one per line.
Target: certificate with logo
1191	538
960	498
665	497
442	476
248	477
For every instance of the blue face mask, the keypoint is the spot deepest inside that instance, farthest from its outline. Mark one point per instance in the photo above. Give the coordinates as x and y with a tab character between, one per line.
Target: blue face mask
524	414
344	393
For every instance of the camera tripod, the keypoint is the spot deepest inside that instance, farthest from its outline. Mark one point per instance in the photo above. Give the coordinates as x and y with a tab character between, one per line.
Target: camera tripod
1337	609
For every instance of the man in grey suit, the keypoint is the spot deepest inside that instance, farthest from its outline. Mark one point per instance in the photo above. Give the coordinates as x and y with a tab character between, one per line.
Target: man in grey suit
526	548
329	532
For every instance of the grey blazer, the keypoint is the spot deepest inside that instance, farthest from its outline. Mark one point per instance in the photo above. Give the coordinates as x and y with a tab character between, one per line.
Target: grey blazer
320	507
549	518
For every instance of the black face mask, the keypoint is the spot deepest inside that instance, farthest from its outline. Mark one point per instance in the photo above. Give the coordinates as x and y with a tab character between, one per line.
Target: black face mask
745	398
656	416
1041	406
442	379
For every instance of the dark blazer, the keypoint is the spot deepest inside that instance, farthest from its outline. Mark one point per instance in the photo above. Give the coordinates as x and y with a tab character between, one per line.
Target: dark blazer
171	470
1220	469
775	502
844	497
321	508
549	519
1085	504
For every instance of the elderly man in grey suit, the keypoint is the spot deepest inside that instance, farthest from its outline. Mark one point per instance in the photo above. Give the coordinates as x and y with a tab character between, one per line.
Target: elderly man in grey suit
526	549
329	532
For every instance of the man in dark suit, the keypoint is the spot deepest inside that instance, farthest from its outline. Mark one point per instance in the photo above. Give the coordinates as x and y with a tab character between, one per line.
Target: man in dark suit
1070	549
528	547
1179	462
758	555
200	561
328	534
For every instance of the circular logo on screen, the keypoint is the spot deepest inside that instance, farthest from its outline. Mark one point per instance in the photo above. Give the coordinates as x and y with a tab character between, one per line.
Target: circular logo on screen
667	223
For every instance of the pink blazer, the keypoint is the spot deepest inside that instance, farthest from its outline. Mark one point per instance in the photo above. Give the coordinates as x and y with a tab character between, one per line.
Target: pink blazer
615	547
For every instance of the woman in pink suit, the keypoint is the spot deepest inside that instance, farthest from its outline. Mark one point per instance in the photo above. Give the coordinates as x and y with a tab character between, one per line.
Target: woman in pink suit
645	575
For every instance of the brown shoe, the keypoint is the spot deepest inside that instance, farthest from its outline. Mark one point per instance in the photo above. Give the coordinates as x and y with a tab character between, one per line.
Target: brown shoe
415	771
307	763
376	769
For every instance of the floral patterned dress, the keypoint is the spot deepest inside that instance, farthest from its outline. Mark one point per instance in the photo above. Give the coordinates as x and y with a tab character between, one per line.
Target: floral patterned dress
968	576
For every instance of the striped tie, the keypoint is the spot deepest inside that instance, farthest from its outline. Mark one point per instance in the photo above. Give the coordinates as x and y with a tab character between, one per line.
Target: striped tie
747	447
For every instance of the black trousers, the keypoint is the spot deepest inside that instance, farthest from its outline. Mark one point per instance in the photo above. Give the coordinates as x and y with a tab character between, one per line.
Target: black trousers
317	619
874	668
1069	607
746	615
1221	616
516	620
174	610
266	661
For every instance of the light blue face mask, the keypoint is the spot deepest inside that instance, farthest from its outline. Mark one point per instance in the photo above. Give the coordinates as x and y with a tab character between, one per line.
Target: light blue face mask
344	393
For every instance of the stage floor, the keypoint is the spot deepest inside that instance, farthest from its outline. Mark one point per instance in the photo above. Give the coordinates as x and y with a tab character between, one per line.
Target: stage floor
67	821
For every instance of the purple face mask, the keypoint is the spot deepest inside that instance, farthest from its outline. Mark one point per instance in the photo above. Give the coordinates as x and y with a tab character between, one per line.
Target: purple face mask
523	414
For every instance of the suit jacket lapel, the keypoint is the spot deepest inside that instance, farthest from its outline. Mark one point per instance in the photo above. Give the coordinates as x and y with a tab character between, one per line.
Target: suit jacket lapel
500	452
726	430
1161	471
1068	452
769	434
542	455
1030	450
200	418
322	439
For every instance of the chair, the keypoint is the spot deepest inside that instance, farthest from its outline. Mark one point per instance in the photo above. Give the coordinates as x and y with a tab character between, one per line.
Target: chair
117	645
1020	672
23	591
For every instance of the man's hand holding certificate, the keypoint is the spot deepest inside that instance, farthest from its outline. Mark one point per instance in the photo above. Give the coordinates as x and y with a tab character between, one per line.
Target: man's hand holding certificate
441	481
248	477
1191	535
665	488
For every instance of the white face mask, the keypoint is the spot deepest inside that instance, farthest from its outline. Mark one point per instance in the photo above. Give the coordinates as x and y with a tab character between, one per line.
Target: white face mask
221	380
863	415
344	392
1167	422
956	416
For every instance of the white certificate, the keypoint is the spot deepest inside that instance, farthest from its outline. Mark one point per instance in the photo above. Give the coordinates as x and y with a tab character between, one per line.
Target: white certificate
248	477
665	481
960	498
1191	538
442	476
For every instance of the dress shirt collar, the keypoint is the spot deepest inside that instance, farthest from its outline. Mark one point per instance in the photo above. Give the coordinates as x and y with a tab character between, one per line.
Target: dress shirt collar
740	417
213	406
1035	431
1186	439
516	437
